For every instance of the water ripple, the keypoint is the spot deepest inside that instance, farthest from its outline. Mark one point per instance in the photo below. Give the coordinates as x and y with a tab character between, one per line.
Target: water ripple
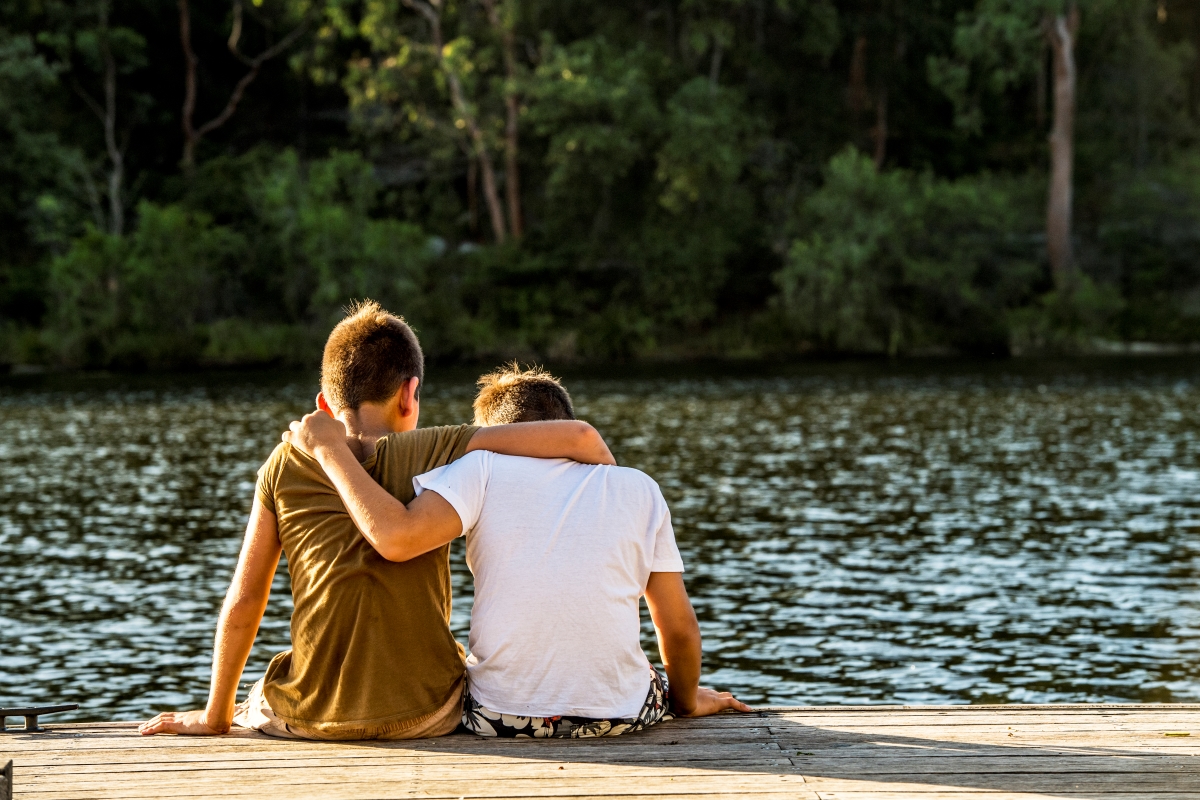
852	534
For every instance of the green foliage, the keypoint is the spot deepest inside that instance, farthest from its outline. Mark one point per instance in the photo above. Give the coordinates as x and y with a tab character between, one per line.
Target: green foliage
892	262
154	297
996	47
32	160
140	299
686	186
329	247
1149	246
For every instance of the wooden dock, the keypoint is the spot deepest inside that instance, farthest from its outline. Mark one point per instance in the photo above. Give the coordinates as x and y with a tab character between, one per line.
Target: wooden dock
844	753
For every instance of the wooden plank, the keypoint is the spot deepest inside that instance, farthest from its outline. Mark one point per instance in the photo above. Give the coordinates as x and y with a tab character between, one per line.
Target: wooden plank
862	765
388	770
180	747
726	752
979	794
359	792
998	732
860	753
730	754
267	785
1014	781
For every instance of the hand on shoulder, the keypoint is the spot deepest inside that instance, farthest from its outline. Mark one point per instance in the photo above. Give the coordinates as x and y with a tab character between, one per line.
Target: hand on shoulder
315	431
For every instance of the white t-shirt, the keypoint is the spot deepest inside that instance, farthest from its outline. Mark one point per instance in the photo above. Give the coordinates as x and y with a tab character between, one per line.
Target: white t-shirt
561	554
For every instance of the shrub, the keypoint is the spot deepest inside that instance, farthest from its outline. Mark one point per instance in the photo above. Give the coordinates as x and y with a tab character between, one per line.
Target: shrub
1148	238
893	261
140	299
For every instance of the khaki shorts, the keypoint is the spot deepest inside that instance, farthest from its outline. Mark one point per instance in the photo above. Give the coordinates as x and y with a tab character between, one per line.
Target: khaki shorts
255	713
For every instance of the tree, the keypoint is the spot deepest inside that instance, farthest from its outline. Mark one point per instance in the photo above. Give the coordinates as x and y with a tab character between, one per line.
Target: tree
191	134
1061	29
502	23
452	60
33	163
1002	45
94	51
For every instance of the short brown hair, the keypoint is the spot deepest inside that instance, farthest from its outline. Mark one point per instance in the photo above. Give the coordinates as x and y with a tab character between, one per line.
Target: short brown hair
512	394
368	357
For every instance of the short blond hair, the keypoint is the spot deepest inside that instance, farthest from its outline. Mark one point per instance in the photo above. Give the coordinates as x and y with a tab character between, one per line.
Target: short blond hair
513	394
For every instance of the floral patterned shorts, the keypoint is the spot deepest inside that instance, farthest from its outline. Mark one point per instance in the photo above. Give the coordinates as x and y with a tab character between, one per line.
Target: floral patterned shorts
485	722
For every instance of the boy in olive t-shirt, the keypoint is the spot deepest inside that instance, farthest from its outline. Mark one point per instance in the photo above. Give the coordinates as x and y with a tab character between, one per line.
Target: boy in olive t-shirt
372	654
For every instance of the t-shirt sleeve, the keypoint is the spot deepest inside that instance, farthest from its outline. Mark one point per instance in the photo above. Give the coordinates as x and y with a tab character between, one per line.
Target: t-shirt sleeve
666	552
268	477
461	484
400	456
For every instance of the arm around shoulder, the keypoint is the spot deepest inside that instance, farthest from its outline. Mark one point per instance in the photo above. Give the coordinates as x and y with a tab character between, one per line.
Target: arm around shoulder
562	438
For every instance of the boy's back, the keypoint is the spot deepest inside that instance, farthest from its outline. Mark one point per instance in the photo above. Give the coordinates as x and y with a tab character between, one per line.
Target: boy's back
372	651
561	554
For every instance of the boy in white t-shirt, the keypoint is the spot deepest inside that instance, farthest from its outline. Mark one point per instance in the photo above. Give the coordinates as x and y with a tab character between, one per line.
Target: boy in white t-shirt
561	553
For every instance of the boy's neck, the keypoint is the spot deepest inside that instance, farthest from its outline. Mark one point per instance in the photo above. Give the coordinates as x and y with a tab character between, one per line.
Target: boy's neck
369	423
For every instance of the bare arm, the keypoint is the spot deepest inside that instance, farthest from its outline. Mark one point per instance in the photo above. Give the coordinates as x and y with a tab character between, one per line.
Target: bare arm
563	438
237	626
398	533
679	644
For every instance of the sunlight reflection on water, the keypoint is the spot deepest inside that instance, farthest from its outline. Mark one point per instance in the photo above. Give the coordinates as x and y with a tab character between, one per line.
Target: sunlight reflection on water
853	534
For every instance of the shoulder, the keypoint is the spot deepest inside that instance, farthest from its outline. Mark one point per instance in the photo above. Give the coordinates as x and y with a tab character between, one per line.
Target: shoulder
635	478
433	434
635	483
400	456
422	439
274	463
268	475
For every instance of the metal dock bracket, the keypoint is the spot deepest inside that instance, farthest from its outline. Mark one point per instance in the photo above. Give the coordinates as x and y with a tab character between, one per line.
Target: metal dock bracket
31	715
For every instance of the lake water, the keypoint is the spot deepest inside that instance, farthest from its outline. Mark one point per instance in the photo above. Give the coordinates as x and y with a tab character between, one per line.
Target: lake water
858	533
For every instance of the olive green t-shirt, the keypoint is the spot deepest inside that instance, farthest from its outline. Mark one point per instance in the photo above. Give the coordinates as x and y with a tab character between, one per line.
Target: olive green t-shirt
371	650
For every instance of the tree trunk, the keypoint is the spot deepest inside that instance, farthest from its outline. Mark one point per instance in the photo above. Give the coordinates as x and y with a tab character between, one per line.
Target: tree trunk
472	194
116	154
714	68
432	13
490	194
880	132
190	63
512	168
1039	89
1061	31
857	95
191	134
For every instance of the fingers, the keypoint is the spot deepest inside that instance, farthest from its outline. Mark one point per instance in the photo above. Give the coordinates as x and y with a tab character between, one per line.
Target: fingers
714	702
191	723
160	724
294	435
734	703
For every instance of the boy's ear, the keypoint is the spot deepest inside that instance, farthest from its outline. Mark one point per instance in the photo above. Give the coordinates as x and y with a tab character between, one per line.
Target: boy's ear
408	397
323	404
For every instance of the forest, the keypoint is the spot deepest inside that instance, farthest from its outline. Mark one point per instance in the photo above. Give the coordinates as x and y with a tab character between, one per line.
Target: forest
210	182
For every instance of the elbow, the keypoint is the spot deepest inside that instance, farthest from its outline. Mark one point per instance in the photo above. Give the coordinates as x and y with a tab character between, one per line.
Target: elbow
396	553
682	635
394	548
684	640
242	611
592	446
